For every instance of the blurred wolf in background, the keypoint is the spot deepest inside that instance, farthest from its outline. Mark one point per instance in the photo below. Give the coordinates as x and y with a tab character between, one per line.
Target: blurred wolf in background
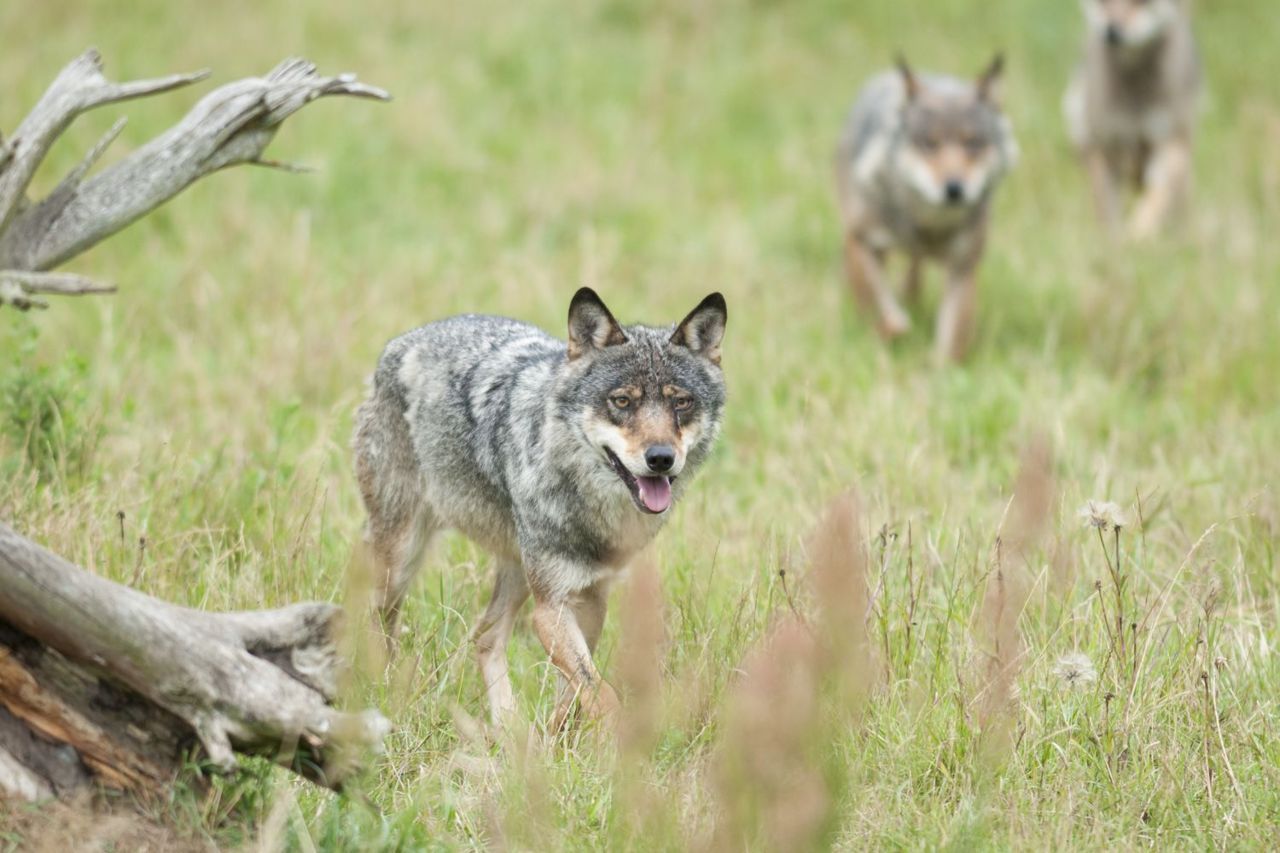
1131	106
916	167
563	460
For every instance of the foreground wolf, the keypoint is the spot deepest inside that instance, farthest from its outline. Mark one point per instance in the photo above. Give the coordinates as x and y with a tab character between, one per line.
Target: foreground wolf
916	167
563	460
1131	106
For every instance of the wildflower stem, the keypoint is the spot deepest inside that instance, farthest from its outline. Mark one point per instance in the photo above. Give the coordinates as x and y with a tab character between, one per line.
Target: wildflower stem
1117	584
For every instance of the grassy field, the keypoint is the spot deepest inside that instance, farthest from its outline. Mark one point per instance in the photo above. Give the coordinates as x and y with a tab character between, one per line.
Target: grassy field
657	151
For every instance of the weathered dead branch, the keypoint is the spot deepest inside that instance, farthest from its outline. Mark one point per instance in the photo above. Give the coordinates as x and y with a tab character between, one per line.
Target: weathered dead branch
99	682
231	125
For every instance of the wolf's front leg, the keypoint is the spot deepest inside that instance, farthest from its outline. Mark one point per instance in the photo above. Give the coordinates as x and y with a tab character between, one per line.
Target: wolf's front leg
914	280
1164	183
865	268
955	317
1103	184
569	627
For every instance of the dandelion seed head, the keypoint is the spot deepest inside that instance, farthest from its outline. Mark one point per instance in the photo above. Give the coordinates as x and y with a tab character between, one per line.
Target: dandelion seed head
1075	669
1104	515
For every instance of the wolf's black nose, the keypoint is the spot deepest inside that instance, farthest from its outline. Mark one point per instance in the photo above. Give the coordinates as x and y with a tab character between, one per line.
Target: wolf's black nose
660	458
954	190
1113	34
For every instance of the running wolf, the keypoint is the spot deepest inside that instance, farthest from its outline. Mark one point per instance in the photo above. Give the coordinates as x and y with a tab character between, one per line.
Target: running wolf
562	460
1131	106
916	167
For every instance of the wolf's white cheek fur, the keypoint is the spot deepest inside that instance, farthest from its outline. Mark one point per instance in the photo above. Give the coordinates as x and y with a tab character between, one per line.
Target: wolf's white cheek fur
603	434
982	177
920	177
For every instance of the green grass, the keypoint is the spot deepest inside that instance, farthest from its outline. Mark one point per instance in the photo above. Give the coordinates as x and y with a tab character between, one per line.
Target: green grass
656	152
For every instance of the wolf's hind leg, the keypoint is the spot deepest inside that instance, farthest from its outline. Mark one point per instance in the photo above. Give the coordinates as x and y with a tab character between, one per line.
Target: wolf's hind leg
1165	181
400	524
398	551
865	269
492	633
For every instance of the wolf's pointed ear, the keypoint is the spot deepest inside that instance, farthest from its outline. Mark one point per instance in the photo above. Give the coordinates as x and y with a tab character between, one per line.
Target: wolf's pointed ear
909	81
591	326
703	330
988	84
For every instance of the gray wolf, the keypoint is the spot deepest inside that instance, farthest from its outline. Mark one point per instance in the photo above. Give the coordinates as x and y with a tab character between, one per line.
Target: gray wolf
563	460
1131	106
916	167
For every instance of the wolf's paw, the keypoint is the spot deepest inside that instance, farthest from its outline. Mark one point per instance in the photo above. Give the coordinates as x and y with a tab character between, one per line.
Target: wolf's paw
603	705
894	324
599	706
1143	227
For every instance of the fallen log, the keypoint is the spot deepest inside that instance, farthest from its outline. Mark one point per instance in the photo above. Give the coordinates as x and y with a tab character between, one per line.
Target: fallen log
102	684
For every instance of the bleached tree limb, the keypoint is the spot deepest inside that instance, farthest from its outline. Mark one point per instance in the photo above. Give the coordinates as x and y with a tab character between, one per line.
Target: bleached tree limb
80	87
231	125
256	682
18	287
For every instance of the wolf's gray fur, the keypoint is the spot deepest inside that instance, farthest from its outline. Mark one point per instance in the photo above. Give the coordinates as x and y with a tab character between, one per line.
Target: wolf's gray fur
494	428
1131	106
916	166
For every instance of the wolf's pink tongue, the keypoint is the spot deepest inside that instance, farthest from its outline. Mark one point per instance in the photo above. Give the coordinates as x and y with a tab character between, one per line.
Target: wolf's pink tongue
655	492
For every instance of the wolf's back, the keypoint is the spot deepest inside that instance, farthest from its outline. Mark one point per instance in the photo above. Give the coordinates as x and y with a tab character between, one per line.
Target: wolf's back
468	390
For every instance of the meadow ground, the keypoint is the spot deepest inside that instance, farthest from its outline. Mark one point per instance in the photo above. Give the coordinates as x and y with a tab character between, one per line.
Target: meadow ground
656	152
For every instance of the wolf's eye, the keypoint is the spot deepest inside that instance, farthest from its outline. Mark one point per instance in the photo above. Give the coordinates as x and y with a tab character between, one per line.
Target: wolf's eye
620	401
682	404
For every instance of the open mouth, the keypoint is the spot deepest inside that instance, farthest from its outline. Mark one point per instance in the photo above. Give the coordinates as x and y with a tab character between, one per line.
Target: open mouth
651	494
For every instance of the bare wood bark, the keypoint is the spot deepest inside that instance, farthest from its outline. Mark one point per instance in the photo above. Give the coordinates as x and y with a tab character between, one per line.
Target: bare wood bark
130	682
231	125
19	287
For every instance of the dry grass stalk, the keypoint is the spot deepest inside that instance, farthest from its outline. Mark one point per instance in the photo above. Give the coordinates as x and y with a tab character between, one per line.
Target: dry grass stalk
770	791
1008	586
778	731
640	660
838	575
640	721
